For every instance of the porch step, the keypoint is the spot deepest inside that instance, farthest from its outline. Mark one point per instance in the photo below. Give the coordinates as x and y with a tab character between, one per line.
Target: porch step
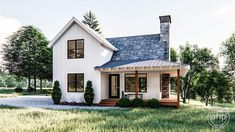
109	102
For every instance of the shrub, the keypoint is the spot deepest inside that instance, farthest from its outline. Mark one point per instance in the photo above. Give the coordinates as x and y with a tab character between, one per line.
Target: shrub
56	93
18	89
89	93
137	102
153	103
124	102
30	89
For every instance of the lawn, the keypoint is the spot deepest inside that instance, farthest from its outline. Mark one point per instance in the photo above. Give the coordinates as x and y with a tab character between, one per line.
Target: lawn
163	119
10	92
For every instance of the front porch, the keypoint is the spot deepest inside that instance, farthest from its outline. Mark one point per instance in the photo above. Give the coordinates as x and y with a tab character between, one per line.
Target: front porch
163	102
143	79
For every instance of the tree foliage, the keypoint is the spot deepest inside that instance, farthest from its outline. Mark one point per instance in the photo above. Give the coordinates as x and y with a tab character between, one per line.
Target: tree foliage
174	55
91	20
228	52
26	54
56	93
89	93
214	85
199	59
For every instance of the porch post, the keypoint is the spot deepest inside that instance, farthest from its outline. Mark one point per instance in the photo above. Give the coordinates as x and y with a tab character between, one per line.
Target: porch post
178	88
136	84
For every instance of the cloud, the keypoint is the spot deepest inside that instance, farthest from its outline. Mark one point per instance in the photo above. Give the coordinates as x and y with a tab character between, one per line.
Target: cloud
7	27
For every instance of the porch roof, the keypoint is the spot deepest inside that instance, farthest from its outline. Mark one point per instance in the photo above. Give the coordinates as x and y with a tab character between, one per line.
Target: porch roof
132	65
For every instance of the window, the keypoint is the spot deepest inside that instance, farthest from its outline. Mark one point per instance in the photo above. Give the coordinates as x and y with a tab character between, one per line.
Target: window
75	49
130	82
76	82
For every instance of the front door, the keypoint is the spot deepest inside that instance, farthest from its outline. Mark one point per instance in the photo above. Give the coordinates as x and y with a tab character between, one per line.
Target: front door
114	84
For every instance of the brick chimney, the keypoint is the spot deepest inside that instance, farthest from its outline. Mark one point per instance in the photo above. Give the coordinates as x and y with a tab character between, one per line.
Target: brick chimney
165	22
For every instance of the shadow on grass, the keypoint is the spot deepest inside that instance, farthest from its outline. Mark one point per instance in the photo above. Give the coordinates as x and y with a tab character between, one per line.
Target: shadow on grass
9	107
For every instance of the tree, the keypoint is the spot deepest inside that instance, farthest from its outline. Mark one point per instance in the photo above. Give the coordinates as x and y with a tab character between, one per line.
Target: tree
56	93
199	60
213	85
228	52
173	58
89	93
91	20
174	55
26	52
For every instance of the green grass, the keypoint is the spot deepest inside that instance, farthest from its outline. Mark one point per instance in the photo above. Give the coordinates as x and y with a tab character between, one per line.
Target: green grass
5	93
10	92
228	105
163	119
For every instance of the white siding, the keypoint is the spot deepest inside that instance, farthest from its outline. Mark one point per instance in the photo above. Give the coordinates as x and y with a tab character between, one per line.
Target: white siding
104	85
94	55
153	85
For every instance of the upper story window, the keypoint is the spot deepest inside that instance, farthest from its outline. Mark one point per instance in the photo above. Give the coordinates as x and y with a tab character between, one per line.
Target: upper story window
75	48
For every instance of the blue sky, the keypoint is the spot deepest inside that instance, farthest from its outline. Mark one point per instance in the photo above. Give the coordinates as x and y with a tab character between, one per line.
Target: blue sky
203	22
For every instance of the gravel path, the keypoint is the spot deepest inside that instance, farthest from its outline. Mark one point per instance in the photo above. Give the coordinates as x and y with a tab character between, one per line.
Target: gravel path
39	101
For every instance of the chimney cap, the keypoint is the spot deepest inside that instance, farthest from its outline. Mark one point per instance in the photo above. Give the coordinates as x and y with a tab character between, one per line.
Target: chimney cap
165	18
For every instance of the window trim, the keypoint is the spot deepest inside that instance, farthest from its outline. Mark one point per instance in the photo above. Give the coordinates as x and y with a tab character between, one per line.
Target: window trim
139	83
76	91
75	48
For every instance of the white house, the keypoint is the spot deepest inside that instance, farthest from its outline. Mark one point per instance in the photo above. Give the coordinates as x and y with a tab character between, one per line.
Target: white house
123	66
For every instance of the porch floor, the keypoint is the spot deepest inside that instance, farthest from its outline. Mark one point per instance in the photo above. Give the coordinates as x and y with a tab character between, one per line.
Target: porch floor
163	102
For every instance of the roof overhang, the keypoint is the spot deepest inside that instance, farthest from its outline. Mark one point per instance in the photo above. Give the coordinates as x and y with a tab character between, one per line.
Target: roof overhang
93	33
149	65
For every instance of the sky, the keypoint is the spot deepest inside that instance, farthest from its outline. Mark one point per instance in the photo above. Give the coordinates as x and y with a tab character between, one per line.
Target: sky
204	22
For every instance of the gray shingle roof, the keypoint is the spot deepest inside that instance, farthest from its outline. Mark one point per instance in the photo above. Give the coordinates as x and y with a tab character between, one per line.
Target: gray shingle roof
142	47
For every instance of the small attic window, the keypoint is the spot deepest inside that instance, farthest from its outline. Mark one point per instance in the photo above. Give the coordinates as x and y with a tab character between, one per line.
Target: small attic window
75	48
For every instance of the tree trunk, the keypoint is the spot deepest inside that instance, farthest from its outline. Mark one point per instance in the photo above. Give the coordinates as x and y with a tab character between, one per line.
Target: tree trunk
184	96
40	83
207	100
35	83
29	81
211	101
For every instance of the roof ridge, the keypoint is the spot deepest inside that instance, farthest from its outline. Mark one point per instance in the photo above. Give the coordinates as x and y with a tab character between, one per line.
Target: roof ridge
132	36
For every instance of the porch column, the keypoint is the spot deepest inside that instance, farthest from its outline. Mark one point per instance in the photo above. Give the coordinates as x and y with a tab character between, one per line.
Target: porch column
136	84
178	88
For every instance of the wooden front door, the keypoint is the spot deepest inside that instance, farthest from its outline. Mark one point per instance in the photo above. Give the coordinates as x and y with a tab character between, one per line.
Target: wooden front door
114	86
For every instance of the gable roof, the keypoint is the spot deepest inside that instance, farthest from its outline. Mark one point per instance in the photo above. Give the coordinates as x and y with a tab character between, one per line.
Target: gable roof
93	33
141	47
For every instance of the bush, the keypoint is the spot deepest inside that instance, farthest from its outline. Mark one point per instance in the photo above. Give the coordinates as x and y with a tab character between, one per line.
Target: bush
124	102
18	89
153	103
30	89
137	102
56	93
89	93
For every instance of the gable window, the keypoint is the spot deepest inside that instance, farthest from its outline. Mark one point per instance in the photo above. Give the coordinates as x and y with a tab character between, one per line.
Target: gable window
76	82
130	82
75	48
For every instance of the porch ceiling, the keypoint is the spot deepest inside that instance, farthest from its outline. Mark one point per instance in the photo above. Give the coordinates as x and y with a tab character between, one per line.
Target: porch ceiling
145	65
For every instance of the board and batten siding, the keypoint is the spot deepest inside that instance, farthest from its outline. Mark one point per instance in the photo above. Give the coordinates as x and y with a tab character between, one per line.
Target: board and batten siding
153	85
94	55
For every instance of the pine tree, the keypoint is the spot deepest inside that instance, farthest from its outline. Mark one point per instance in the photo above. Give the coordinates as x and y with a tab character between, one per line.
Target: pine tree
91	20
89	93
56	93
